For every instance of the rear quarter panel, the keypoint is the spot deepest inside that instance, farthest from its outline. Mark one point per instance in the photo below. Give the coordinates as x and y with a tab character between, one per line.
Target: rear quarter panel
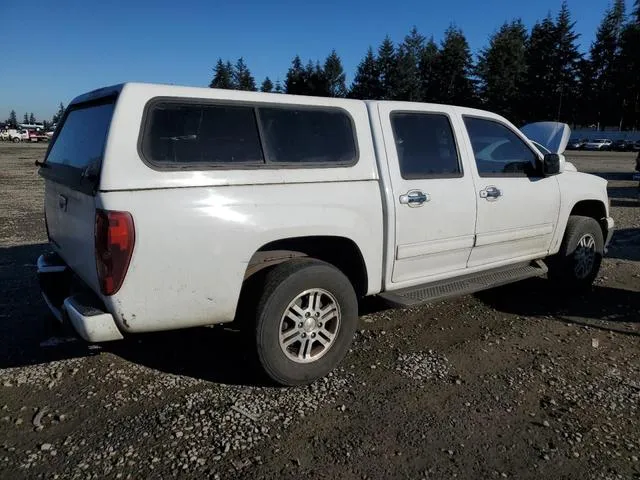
193	245
196	230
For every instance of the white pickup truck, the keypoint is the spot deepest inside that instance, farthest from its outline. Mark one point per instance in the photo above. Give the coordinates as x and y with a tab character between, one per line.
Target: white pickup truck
170	207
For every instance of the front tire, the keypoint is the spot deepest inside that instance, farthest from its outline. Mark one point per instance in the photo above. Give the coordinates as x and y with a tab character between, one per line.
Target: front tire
576	265
305	321
16	140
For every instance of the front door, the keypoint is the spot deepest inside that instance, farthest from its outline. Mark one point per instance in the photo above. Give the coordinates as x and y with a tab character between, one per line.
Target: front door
434	197
517	206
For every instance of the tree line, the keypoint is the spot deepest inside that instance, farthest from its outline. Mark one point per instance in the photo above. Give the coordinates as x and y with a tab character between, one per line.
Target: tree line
525	75
30	118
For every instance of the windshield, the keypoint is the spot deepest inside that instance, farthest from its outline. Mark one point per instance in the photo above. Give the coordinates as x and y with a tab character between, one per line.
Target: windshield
82	137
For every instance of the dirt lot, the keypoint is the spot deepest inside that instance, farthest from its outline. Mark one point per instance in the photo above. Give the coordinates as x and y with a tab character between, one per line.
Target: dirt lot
517	382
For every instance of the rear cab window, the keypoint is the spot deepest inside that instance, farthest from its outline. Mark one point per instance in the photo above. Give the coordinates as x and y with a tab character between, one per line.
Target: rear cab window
425	145
75	155
196	135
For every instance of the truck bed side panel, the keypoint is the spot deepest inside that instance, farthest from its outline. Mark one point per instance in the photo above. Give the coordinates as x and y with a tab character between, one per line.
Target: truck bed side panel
193	244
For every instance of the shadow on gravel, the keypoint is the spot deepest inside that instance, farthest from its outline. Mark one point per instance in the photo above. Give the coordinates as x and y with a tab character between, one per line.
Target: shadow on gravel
628	193
601	308
615	176
25	321
625	245
216	354
625	203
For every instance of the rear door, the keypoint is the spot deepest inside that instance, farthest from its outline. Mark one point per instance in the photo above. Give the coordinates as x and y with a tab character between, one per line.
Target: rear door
71	171
433	195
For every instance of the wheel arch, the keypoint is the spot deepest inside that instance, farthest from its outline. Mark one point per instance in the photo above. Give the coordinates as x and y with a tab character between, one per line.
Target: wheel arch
595	209
341	252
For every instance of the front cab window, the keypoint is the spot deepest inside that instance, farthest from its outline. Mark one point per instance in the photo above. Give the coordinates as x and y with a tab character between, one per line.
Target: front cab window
498	151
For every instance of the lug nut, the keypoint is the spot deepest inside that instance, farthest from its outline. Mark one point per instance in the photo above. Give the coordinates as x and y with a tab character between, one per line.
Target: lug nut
307	314
304	335
313	335
319	324
300	325
317	314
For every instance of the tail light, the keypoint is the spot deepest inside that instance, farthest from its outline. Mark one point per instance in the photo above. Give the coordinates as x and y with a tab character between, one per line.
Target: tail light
114	237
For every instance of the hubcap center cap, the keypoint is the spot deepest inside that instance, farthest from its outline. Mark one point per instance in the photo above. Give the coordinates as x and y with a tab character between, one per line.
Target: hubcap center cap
309	324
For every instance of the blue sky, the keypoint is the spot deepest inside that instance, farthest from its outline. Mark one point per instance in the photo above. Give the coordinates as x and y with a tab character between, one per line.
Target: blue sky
55	50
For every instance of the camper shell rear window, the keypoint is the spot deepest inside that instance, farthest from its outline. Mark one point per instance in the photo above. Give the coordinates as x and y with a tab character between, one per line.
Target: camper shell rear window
196	134
81	139
74	156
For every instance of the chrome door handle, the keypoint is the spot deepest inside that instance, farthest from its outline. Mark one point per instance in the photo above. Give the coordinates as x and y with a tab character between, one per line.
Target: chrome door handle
490	193
414	198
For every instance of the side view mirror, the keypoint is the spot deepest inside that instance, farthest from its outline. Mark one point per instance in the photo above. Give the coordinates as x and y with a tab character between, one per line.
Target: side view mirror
552	164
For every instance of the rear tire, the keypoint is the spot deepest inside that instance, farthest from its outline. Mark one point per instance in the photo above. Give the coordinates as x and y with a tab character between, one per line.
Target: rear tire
576	265
305	320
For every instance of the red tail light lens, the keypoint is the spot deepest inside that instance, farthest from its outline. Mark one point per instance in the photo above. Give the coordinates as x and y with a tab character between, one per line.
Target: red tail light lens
114	237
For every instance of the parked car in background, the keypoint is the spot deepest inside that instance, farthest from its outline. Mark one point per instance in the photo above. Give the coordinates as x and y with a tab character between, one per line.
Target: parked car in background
601	144
635	147
17	136
622	146
576	143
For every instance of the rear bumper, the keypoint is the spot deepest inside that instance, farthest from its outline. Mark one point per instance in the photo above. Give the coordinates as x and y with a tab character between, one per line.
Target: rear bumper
82	309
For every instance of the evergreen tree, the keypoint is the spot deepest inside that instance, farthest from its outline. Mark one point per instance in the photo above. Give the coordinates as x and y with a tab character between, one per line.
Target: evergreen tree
222	75
242	78
295	81
629	61
454	70
428	73
387	67
539	88
586	108
605	52
316	82
366	83
501	69
13	119
58	115
564	66
25	119
335	76
278	88
32	118
267	85
407	76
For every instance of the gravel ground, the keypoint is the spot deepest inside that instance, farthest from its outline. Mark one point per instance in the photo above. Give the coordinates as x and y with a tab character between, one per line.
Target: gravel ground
516	382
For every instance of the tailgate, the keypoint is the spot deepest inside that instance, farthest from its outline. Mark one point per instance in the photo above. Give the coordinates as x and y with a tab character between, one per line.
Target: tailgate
71	170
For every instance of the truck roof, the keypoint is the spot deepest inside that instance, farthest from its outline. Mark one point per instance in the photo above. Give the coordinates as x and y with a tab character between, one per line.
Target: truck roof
160	89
